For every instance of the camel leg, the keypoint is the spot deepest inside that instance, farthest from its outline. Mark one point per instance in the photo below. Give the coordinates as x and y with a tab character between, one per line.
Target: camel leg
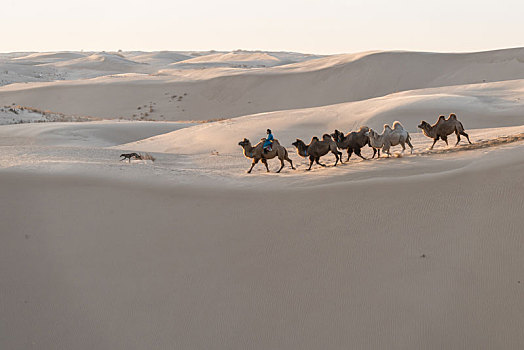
410	145
374	152
357	152
458	138
317	160
281	164
336	156
255	161
434	142
403	147
311	159
350	152
467	136
265	163
290	162
445	139
378	150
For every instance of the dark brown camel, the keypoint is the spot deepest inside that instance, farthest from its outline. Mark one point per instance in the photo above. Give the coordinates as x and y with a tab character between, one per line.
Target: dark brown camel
353	141
317	149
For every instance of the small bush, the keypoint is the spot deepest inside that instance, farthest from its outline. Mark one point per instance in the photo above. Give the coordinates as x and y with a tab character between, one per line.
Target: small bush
147	156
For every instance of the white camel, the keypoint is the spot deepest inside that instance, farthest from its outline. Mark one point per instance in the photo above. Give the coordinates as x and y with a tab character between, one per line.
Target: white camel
389	137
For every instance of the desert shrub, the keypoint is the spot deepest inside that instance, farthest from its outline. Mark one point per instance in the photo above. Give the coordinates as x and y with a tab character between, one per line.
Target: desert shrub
147	156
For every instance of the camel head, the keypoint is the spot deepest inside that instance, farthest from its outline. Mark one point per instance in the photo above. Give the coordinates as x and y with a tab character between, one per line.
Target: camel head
245	142
299	143
337	136
424	125
371	133
363	129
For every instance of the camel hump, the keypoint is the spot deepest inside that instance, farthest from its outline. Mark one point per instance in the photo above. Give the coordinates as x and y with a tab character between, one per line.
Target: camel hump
397	126
441	118
326	137
452	116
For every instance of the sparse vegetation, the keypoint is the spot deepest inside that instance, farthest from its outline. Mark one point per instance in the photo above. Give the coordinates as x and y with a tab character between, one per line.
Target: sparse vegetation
24	114
147	156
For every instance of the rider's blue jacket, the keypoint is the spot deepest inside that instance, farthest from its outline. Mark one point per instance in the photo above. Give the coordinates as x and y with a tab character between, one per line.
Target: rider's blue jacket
269	140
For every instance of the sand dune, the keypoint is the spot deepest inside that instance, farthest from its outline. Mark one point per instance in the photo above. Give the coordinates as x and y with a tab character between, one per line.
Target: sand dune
94	134
100	61
416	251
242	59
161	58
435	263
334	79
48	57
478	106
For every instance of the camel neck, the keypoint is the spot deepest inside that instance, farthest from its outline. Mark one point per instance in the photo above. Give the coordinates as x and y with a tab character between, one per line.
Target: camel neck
248	151
302	150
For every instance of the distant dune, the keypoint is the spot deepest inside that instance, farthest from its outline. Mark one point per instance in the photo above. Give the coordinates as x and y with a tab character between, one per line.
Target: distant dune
232	93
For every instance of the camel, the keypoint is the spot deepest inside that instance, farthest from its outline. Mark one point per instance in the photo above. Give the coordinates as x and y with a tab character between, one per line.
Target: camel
257	153
442	128
317	149
352	142
390	137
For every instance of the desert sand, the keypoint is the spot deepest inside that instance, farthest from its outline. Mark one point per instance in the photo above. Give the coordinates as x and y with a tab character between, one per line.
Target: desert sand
416	251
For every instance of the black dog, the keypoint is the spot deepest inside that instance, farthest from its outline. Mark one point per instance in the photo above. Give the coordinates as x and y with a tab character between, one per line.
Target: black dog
129	156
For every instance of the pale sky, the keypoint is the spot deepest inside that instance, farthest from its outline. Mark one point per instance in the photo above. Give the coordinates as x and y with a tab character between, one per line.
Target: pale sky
323	27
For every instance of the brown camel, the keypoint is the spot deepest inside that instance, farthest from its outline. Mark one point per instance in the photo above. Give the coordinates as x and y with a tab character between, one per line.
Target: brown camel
353	141
442	128
257	153
317	149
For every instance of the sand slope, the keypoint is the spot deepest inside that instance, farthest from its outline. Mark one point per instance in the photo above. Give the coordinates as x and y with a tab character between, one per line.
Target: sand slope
96	134
478	106
174	267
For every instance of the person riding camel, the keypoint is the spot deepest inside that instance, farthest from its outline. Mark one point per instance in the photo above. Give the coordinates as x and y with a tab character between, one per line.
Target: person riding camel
268	142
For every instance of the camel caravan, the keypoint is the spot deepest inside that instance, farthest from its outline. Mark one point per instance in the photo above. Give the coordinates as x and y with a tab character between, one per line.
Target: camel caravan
353	142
